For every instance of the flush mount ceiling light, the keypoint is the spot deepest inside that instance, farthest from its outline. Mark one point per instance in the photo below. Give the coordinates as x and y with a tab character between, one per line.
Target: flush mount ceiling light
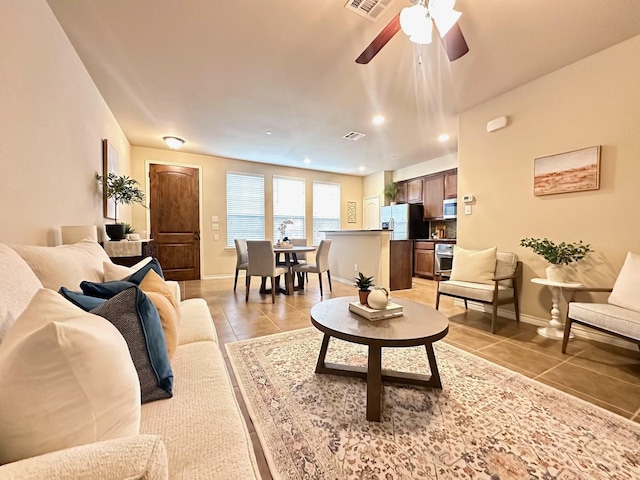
173	142
444	137
378	120
362	169
307	160
268	132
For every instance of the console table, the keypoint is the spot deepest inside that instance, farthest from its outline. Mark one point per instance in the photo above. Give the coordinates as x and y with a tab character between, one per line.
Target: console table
128	252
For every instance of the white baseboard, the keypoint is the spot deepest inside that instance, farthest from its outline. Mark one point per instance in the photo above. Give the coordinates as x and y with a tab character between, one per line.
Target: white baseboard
578	330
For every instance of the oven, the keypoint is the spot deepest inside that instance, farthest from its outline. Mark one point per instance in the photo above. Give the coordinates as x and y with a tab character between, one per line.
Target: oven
443	257
450	208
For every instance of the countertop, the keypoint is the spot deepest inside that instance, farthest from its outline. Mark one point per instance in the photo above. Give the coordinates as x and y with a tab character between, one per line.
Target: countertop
437	240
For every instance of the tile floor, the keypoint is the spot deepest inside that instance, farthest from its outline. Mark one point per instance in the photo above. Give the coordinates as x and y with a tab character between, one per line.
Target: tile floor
602	374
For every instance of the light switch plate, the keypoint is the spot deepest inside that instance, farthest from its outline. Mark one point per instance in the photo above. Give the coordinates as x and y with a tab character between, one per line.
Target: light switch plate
216	237
214	219
467	209
215	226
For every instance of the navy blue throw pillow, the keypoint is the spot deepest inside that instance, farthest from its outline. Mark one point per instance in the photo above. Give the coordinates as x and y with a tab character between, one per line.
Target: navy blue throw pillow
81	300
137	277
106	289
137	320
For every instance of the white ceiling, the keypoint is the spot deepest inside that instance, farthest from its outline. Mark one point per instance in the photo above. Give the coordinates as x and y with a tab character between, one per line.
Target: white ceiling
220	73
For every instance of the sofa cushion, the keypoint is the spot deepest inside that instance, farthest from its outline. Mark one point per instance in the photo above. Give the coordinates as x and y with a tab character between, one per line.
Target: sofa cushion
626	290
196	324
139	275
474	291
18	284
120	272
202	425
135	317
610	317
142	457
65	265
476	266
66	379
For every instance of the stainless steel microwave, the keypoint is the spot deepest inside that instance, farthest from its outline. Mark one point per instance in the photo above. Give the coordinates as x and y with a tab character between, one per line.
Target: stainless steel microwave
450	208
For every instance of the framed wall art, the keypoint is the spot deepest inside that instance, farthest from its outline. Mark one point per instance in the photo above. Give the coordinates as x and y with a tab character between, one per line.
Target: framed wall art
110	163
351	212
575	171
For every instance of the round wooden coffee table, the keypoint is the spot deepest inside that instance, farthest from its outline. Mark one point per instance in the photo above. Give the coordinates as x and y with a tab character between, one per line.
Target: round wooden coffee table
419	325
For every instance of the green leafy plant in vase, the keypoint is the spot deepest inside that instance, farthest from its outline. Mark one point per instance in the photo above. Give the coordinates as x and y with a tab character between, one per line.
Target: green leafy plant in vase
390	191
123	190
557	254
363	283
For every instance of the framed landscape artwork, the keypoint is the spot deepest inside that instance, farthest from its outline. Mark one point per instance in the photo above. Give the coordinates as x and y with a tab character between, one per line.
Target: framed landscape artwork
110	161
575	171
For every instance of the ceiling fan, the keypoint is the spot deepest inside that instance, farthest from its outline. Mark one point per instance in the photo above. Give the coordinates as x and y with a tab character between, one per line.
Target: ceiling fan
417	22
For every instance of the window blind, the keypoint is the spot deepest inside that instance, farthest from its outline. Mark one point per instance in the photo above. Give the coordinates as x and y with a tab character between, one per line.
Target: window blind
326	209
245	207
289	204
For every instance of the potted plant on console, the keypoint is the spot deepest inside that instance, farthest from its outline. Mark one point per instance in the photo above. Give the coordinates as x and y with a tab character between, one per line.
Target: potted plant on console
558	255
122	190
363	283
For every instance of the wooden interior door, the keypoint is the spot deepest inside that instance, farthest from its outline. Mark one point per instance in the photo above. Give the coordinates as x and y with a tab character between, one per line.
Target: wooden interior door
174	199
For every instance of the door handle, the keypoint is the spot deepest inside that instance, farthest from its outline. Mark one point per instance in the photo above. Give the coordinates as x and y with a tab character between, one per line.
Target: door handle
196	235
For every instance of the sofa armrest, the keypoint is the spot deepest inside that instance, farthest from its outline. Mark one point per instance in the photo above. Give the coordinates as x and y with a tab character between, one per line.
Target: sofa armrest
175	290
142	457
577	290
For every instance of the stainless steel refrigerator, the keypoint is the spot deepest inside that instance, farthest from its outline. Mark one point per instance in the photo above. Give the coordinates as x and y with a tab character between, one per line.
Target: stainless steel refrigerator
405	220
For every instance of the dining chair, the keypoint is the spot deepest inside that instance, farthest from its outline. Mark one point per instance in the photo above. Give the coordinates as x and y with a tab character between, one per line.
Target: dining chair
262	263
321	265
242	258
301	257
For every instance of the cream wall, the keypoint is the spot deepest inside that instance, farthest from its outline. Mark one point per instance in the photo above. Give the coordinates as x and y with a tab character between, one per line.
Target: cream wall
436	165
218	260
592	102
51	128
373	185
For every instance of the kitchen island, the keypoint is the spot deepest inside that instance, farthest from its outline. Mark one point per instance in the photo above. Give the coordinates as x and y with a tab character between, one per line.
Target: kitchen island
370	252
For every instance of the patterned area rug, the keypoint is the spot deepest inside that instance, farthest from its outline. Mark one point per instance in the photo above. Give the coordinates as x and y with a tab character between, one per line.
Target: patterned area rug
486	423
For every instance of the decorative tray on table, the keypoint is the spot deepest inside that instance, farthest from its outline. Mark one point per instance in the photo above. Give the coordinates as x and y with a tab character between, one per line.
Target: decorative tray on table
392	310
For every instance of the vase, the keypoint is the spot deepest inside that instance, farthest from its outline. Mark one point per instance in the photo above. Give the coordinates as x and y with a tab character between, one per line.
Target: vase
115	231
364	295
556	273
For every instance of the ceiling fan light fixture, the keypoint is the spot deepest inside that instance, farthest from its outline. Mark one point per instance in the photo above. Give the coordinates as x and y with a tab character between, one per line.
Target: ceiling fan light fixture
412	18
424	35
173	142
446	19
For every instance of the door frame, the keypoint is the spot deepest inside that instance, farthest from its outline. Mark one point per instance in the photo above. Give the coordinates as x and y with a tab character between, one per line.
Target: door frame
364	207
147	170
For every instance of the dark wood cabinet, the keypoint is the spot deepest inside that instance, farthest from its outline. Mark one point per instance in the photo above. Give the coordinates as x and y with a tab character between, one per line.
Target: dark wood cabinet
401	196
451	184
424	259
433	195
414	191
401	264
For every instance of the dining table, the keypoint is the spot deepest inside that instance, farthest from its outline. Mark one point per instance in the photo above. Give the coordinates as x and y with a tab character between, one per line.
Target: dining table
290	259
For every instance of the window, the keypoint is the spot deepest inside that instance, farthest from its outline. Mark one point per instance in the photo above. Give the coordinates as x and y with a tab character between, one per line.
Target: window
245	207
326	209
288	204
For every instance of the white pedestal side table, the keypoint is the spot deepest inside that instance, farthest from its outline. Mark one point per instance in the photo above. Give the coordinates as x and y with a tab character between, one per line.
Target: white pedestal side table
556	327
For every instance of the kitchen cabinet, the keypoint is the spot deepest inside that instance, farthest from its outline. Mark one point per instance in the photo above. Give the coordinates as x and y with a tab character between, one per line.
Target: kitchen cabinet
424	259
433	196
451	184
414	191
401	264
401	195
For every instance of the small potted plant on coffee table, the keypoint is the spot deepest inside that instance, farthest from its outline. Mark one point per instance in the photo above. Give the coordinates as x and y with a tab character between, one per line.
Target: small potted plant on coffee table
122	190
363	283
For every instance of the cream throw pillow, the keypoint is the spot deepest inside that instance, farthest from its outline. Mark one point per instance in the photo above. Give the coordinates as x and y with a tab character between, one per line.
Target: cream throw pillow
477	266
626	290
119	272
160	295
65	265
66	379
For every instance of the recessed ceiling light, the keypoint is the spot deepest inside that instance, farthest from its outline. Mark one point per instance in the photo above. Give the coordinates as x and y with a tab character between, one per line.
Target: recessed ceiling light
307	161
362	169
269	132
173	142
444	137
378	120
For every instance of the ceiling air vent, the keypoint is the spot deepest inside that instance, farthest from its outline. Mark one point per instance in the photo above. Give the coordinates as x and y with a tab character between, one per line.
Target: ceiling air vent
370	9
355	136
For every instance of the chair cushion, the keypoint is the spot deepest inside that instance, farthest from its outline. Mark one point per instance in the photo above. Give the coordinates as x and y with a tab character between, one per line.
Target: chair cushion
474	291
609	317
18	284
506	263
626	290
476	266
66	379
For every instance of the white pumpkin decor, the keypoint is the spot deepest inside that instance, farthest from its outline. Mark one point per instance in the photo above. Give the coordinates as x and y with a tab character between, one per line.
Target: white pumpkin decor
378	298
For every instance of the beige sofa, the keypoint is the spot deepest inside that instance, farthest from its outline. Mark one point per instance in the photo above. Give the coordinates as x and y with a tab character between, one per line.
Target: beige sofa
199	433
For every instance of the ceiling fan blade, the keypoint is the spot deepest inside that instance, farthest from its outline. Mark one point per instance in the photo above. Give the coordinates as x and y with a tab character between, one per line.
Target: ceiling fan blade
380	41
454	43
